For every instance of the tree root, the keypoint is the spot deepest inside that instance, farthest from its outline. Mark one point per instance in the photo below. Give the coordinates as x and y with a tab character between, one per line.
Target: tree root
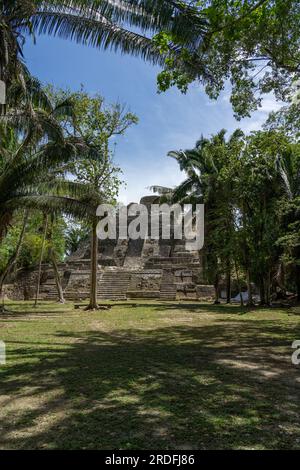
97	307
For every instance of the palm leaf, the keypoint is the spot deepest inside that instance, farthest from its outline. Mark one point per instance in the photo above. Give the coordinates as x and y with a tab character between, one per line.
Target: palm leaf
96	32
51	204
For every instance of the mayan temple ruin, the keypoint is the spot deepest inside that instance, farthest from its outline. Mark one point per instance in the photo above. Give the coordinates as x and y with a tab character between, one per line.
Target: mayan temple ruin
128	269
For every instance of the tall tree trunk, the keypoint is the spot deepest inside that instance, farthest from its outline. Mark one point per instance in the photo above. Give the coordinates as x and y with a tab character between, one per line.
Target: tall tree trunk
41	260
93	305
228	283
268	288
52	258
13	259
262	291
238	282
249	288
216	286
59	288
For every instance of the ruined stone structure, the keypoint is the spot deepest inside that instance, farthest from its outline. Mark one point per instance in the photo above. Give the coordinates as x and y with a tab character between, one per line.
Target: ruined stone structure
128	269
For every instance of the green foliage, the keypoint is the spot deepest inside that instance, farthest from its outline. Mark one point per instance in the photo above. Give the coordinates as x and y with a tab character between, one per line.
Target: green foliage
251	190
32	243
40	147
74	235
97	124
287	120
253	44
34	154
7	247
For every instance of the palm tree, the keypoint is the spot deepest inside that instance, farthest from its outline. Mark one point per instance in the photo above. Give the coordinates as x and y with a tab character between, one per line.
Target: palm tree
31	177
288	166
92	23
52	258
199	187
28	180
33	152
45	228
206	184
98	24
14	15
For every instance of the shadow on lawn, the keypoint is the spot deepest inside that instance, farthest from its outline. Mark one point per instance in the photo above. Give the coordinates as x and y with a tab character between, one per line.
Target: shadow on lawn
13	311
222	308
175	387
188	307
154	307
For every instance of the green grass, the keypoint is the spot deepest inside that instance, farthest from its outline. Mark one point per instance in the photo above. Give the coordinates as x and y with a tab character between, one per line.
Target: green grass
157	376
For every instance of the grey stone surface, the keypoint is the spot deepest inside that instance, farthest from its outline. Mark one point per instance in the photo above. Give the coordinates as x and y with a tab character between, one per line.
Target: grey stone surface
159	269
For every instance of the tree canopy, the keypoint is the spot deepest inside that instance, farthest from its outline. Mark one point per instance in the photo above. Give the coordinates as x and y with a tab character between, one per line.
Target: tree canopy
251	44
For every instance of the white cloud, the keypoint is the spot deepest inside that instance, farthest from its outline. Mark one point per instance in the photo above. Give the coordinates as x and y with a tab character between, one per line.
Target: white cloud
167	173
270	104
174	122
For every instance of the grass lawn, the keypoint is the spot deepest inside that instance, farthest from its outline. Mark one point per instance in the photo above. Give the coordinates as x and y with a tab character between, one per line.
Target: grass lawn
156	376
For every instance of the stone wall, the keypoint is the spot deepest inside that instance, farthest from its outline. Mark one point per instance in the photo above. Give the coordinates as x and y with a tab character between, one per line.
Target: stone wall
158	268
144	285
24	286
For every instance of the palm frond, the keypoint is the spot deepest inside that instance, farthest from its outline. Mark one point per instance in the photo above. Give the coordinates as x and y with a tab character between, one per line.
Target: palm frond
22	172
161	190
61	187
52	204
95	31
28	91
146	15
182	189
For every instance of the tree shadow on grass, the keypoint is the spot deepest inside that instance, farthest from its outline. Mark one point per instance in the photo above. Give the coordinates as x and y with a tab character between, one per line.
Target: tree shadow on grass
188	307
167	388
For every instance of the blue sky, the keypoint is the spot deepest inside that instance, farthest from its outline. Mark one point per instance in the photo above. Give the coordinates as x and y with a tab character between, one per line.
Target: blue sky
168	121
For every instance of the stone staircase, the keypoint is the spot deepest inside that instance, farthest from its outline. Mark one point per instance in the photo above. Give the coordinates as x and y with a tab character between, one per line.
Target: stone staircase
168	287
76	295
48	290
113	285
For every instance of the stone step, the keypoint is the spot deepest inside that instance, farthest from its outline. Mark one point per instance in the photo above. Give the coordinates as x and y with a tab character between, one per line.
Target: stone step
113	285
168	288
112	297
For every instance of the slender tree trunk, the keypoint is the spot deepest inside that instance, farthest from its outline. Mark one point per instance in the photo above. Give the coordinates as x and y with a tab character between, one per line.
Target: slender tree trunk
59	288
216	286
268	288
262	291
238	282
93	305
13	259
249	288
228	283
41	260
52	258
